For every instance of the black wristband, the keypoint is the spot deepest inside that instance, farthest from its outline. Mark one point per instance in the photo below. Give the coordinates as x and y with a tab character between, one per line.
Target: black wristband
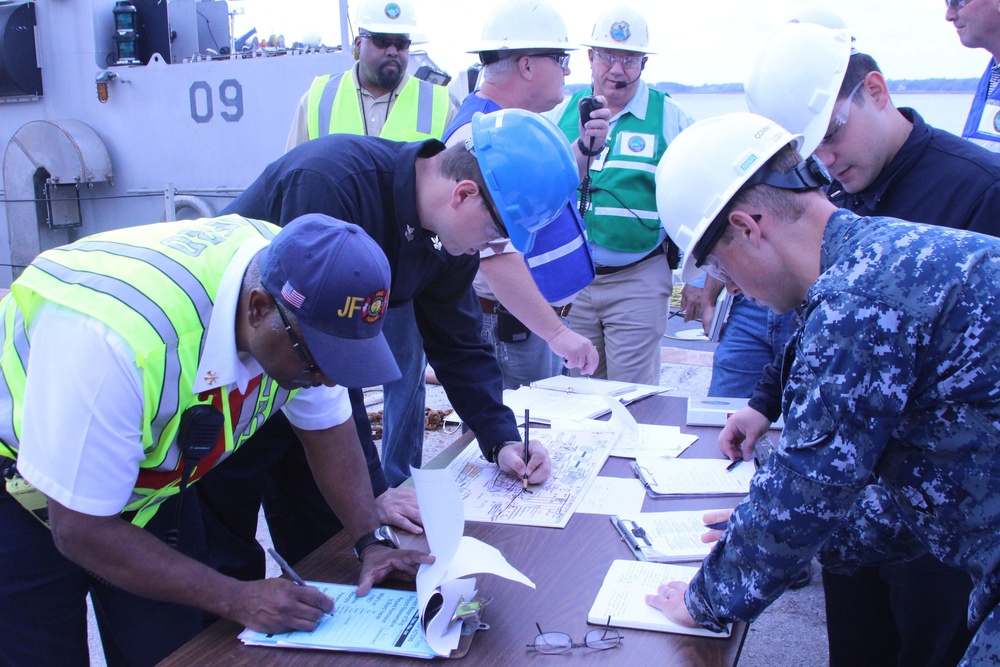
495	452
586	151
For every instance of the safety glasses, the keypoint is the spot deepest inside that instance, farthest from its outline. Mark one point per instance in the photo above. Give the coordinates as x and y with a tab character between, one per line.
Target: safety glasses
384	41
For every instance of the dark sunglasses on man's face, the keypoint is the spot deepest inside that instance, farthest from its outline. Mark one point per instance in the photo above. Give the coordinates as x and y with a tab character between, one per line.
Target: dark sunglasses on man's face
384	41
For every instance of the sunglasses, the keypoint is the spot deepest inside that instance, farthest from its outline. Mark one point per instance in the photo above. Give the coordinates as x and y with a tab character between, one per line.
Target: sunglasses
956	4
561	58
384	41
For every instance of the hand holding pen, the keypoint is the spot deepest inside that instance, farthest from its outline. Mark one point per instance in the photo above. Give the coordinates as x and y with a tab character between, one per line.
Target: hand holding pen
716	522
287	569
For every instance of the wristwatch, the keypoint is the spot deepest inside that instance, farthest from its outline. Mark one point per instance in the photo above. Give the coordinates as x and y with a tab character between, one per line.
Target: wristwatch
495	452
383	535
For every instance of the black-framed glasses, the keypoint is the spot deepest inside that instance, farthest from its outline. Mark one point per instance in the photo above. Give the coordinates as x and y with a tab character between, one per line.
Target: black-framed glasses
384	41
309	365
561	58
610	59
560	642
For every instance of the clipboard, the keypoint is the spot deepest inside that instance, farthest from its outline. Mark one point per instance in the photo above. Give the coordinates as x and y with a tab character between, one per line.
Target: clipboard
763	449
635	537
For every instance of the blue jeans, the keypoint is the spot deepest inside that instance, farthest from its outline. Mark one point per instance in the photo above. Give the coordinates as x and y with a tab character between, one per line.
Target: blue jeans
403	416
753	337
522	362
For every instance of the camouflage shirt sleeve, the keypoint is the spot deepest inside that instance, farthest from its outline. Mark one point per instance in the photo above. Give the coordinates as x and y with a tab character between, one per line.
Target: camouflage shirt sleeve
853	369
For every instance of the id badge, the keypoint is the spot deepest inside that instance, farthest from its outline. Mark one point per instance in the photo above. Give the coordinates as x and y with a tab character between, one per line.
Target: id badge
636	144
989	122
598	163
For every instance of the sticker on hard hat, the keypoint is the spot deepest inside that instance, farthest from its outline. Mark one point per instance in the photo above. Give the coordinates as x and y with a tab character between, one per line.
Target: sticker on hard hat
748	162
392	11
620	31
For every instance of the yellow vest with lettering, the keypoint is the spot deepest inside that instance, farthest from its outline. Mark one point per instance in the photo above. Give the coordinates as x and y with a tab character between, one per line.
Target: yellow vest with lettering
155	286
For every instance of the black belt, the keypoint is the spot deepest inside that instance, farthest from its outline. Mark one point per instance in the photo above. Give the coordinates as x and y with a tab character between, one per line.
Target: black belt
489	307
608	270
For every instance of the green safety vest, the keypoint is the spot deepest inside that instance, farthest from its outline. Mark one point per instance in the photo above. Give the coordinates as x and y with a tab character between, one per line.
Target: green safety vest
419	112
155	286
622	213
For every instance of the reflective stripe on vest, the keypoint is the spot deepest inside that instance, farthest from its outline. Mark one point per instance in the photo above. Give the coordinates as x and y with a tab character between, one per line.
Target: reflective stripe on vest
154	286
419	112
622	215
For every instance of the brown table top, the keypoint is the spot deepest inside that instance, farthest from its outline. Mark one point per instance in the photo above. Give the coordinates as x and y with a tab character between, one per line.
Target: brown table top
567	565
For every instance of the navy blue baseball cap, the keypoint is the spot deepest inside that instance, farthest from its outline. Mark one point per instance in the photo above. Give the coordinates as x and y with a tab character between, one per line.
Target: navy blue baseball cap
336	280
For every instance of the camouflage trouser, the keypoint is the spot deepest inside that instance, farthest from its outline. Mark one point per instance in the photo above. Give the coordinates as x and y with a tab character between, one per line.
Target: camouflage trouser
985	646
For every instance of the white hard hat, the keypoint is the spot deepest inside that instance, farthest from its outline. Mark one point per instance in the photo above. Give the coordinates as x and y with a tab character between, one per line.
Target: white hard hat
703	168
796	77
622	28
524	24
819	15
387	16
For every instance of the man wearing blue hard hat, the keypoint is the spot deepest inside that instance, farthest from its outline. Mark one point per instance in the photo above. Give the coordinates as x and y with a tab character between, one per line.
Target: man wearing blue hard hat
525	62
431	209
135	362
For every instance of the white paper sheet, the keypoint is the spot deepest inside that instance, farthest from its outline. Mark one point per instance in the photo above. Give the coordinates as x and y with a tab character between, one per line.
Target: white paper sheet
613	495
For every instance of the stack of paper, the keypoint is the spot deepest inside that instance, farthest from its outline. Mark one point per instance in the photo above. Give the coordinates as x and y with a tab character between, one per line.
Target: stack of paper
384	621
419	624
490	494
664	537
693	477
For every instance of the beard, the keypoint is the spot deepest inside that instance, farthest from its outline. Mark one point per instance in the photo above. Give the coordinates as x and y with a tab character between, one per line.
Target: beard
388	78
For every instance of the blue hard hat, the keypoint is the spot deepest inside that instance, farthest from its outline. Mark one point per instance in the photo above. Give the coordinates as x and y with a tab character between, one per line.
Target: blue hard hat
528	167
560	262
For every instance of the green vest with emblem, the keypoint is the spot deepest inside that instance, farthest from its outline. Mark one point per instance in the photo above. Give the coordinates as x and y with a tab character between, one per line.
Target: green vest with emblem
155	286
622	213
419	112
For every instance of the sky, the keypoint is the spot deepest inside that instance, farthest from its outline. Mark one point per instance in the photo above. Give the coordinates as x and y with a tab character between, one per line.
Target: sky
713	41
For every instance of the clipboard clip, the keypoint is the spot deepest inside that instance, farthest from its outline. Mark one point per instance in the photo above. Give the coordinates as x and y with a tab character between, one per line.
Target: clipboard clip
643	475
631	537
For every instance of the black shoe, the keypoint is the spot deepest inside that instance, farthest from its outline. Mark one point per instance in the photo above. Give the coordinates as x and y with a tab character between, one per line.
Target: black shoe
803	580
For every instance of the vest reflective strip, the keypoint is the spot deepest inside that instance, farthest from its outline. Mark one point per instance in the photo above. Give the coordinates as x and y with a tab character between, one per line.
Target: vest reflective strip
425	107
554	254
9	429
176	272
146	308
265	230
626	213
638	166
326	105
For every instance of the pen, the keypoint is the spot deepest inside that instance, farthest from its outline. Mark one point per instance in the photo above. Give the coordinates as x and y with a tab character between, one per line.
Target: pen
717	526
733	464
285	567
527	455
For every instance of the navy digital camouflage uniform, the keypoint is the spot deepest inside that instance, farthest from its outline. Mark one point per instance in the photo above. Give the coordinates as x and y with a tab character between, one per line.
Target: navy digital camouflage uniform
896	373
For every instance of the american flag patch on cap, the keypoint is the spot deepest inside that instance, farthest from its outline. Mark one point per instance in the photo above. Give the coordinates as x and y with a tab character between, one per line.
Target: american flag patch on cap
293	296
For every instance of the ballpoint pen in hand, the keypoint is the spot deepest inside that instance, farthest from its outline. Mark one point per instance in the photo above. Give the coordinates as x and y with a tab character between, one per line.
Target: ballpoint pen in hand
285	567
527	454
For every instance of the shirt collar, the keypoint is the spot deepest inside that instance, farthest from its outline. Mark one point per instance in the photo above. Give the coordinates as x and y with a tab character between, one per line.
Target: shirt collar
638	105
220	364
911	149
405	191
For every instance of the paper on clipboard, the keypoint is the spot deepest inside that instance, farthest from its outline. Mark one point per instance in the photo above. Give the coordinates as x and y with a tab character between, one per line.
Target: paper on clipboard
439	586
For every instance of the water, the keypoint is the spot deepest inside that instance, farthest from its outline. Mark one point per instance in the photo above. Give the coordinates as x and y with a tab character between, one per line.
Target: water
946	111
